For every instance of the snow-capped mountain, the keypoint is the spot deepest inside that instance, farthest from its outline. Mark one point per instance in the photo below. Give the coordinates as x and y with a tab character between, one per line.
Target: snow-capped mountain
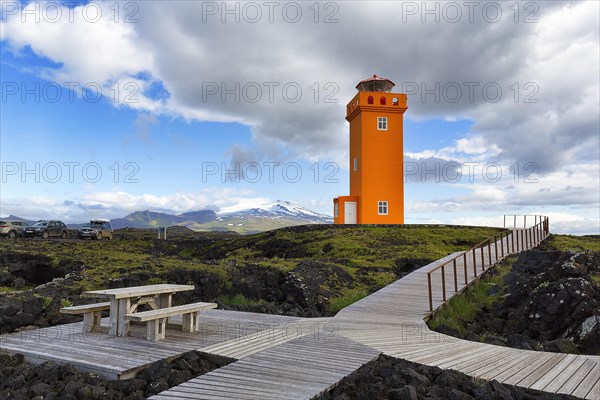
243	218
280	209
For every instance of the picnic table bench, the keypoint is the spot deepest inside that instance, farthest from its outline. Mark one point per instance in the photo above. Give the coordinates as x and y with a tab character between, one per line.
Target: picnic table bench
123	305
92	314
126	300
156	320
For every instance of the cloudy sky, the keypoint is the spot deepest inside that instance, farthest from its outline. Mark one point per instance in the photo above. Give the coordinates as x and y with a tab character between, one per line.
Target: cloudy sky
109	108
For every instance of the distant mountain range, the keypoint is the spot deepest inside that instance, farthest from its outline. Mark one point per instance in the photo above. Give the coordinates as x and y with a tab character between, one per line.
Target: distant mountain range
257	219
152	219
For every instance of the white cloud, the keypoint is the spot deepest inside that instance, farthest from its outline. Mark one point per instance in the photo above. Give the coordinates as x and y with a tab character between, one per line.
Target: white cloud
100	54
176	45
117	204
554	61
560	223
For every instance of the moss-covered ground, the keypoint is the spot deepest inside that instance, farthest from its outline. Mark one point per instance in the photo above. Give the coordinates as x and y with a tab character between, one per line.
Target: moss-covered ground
462	308
371	255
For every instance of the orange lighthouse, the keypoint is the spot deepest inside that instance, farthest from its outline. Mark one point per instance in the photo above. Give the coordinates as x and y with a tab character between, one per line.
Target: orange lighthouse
376	121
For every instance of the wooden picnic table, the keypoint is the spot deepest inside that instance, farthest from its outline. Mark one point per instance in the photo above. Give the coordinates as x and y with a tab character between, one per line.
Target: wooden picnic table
125	301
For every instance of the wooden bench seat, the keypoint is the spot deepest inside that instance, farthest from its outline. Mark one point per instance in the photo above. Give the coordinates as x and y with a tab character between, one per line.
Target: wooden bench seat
92	314
157	319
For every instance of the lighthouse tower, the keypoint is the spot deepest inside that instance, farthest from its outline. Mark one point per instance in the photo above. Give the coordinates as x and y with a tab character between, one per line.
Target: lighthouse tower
376	121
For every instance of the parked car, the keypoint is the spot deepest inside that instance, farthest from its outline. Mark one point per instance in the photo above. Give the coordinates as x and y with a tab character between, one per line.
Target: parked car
12	229
96	229
46	229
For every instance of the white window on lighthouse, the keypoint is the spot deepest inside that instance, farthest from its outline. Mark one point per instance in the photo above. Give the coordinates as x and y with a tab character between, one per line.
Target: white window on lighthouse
355	162
382	207
382	123
336	210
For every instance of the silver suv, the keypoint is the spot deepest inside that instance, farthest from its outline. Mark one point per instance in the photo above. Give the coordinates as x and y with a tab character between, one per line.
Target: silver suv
12	229
96	229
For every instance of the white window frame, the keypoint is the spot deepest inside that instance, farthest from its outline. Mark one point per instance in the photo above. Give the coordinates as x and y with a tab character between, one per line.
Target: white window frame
336	210
382	124
382	205
355	163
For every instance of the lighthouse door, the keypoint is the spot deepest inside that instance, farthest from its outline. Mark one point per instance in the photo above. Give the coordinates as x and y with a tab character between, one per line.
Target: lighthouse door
350	213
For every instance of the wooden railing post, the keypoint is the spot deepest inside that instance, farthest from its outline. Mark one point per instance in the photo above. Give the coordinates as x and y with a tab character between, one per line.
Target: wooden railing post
465	267
443	283
474	263
455	276
516	233
430	296
542	230
490	252
512	238
482	259
501	246
496	247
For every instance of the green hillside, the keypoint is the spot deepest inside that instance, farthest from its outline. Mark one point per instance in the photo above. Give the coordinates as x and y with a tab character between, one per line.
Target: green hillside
344	262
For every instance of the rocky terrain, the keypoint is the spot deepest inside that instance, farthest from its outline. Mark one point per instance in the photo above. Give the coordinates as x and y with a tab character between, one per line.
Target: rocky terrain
38	291
306	271
296	293
550	301
21	380
295	271
388	378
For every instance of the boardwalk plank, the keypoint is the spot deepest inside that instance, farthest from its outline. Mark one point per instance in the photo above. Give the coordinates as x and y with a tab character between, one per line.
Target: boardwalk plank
555	385
578	377
585	387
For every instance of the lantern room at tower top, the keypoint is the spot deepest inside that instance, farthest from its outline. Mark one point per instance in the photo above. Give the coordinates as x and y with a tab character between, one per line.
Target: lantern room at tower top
376	160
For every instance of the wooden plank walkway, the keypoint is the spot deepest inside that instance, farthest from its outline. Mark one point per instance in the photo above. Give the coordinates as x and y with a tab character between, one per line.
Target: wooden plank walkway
295	370
277	357
121	357
243	346
396	313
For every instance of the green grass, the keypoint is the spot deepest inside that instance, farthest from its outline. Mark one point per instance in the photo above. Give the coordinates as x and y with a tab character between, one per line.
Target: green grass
464	306
8	289
361	251
45	301
573	243
66	303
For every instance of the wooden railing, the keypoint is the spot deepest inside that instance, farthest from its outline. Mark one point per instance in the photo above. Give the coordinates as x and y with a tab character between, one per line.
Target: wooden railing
516	220
507	242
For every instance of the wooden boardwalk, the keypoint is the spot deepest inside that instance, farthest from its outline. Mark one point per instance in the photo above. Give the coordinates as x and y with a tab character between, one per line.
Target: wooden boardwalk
295	370
277	357
396	314
122	357
390	321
